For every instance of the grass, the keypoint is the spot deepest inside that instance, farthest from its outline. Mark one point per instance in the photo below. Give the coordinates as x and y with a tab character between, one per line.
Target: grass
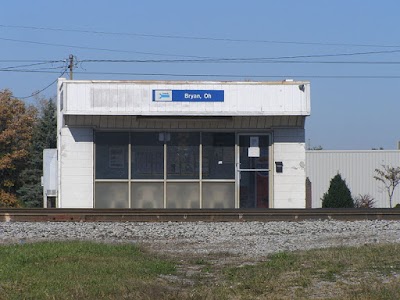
367	272
77	270
81	270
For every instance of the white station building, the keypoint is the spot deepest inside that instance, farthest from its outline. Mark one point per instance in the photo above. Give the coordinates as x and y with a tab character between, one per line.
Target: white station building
181	144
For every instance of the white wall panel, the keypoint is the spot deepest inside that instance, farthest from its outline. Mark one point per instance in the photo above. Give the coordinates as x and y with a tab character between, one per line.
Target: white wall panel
289	186
76	161
356	167
135	98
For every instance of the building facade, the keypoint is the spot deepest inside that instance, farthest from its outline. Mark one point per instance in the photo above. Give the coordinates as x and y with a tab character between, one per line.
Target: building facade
163	144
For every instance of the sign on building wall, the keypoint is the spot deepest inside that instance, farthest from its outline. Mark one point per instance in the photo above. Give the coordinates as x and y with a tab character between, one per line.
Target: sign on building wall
188	95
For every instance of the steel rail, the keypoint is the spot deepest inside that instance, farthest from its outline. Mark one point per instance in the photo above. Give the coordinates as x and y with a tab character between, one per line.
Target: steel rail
192	215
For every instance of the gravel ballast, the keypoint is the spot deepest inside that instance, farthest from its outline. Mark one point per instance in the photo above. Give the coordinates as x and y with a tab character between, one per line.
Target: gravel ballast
246	239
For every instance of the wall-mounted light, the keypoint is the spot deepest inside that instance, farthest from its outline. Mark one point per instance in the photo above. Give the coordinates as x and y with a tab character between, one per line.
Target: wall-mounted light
302	87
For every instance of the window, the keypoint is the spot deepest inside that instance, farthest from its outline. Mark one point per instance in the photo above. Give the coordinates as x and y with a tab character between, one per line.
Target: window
147	155
112	155
183	155
218	155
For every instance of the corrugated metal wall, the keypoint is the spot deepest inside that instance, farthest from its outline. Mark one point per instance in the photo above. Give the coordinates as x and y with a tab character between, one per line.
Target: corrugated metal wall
356	167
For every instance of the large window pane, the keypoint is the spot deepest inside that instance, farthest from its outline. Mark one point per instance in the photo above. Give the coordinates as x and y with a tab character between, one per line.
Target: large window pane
183	195
218	195
218	155
254	189
112	155
250	159
147	195
183	155
147	155
111	195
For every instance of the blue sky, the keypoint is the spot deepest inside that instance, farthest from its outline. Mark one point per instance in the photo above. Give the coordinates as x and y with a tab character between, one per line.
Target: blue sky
355	102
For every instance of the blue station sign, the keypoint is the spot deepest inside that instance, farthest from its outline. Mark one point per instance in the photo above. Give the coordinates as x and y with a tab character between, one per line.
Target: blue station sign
188	95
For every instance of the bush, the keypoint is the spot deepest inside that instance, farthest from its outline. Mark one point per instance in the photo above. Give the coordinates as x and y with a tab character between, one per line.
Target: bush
364	201
338	195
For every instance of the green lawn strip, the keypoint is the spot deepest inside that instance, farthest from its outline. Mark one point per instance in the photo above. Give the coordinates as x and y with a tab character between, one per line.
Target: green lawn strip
76	269
81	270
340	273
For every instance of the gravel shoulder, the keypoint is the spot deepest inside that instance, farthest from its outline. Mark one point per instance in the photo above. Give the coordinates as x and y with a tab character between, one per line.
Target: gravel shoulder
248	240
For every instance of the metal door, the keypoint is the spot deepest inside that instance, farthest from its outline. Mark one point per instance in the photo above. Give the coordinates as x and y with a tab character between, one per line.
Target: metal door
253	168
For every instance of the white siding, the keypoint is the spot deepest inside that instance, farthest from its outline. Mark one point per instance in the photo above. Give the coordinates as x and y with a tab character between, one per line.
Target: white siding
135	98
356	167
76	160
289	186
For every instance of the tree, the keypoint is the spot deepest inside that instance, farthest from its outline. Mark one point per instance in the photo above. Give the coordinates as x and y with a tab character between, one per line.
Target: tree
16	126
44	136
338	195
390	177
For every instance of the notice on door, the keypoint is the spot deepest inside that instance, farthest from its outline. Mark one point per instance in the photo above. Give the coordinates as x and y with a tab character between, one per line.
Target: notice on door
253	152
254	149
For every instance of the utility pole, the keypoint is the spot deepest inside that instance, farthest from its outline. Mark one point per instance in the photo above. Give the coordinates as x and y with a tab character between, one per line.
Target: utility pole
71	66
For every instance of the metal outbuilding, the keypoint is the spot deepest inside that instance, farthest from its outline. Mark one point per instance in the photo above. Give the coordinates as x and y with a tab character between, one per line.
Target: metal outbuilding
181	144
356	167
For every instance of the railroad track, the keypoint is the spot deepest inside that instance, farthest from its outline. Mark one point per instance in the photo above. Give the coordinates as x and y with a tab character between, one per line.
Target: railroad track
193	215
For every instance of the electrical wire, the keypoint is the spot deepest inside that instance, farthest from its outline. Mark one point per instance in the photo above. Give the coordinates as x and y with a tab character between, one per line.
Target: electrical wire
45	88
98	49
202	57
245	76
309	76
29	65
264	61
183	37
31	60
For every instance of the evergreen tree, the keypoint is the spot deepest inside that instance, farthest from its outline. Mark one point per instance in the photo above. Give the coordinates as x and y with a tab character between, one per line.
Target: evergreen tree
44	136
338	195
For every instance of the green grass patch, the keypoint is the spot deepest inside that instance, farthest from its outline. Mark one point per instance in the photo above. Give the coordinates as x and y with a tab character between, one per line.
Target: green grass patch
81	270
72	270
372	271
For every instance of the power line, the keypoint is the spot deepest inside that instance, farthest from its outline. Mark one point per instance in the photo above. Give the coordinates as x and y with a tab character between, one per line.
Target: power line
221	75
209	58
31	60
45	88
184	37
246	76
28	65
237	61
98	49
263	61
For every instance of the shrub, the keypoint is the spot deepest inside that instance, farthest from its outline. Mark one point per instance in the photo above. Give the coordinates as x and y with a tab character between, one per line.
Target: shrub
338	195
364	201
